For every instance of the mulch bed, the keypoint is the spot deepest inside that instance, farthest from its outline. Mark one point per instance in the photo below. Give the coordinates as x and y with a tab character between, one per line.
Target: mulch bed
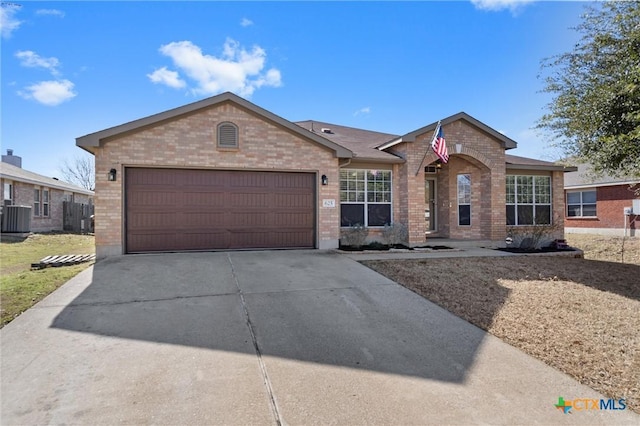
387	247
529	251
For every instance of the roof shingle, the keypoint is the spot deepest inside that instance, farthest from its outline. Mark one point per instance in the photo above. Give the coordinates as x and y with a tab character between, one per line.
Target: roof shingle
584	176
11	172
361	142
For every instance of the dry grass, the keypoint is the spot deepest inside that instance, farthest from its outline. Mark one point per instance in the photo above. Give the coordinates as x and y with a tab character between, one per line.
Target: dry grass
579	316
610	249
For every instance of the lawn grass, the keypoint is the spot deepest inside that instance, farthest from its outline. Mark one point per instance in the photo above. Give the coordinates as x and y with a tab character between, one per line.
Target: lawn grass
20	287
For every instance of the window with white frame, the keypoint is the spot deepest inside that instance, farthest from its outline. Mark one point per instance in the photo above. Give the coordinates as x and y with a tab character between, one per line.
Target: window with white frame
45	202
464	200
365	197
581	203
528	200
8	191
36	201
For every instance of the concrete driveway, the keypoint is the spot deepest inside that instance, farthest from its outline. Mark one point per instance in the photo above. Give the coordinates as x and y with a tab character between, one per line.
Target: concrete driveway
290	337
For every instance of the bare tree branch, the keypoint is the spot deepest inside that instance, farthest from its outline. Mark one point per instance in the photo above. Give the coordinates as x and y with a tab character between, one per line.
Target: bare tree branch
79	171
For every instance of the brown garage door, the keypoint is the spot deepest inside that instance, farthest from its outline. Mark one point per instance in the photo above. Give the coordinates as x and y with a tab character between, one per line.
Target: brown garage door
178	209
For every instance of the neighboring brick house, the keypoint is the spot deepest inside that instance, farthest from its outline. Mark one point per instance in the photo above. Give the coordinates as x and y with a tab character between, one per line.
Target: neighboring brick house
223	173
596	204
43	194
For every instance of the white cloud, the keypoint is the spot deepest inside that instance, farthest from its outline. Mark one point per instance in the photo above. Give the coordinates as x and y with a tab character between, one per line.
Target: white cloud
365	110
8	21
167	77
496	5
33	60
246	22
273	78
51	12
237	70
50	93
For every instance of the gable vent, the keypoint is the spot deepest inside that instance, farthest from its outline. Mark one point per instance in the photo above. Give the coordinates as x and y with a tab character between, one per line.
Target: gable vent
227	135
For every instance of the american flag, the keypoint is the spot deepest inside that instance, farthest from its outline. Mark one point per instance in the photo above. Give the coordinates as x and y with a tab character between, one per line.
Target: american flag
439	145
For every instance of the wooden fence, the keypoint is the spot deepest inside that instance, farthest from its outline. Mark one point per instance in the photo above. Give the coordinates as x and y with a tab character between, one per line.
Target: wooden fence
77	217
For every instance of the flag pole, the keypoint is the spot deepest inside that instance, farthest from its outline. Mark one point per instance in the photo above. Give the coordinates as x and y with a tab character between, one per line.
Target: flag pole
435	132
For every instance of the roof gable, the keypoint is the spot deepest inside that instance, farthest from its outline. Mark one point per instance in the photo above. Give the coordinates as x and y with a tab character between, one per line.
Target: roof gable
94	140
507	143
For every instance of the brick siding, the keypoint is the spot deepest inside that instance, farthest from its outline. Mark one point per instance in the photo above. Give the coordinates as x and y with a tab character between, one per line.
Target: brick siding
610	202
480	156
190	142
23	195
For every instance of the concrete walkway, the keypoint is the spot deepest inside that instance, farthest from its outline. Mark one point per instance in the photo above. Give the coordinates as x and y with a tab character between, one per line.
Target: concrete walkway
279	337
427	254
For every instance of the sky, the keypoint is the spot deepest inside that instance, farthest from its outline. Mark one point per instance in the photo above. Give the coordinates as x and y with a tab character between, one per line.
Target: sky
73	68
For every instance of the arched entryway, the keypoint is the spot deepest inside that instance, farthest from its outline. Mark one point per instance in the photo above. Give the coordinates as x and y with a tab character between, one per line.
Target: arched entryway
458	199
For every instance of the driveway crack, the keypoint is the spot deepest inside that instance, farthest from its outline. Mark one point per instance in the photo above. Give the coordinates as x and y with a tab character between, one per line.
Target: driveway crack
263	367
127	302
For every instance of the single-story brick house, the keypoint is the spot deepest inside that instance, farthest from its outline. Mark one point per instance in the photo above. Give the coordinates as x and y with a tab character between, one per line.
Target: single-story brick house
223	173
601	204
43	194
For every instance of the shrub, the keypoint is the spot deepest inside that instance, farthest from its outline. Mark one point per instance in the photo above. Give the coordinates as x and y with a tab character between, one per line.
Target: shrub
395	234
356	236
533	237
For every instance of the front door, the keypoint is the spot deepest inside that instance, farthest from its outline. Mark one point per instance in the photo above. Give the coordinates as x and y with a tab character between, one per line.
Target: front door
430	213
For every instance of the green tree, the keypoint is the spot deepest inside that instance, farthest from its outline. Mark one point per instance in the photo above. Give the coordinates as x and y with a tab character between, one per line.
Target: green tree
594	114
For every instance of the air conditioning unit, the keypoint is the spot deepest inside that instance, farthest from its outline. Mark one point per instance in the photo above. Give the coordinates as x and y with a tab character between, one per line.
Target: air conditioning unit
16	219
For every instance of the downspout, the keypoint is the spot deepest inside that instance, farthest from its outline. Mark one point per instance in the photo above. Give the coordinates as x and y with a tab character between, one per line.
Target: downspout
345	164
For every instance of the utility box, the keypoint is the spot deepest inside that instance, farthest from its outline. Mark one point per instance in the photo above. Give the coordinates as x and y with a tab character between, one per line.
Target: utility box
16	219
636	207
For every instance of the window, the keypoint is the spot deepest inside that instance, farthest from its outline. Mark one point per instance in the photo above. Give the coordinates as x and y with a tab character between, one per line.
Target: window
45	202
36	201
8	191
365	197
464	200
528	200
581	204
227	135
